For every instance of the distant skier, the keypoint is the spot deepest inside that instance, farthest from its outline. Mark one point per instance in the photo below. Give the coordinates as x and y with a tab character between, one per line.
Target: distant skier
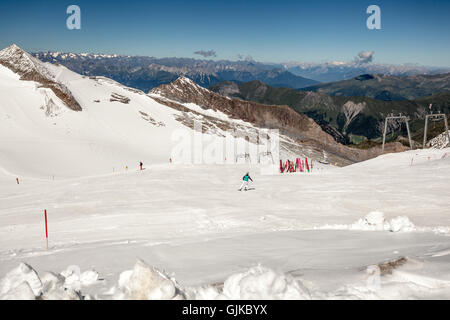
245	182
17	180
140	165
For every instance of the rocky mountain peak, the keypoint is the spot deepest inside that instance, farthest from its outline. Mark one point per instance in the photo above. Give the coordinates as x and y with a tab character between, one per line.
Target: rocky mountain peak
186	83
182	90
17	58
32	69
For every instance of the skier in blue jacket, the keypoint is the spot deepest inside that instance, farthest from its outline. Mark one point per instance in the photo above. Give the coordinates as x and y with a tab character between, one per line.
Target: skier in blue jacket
245	182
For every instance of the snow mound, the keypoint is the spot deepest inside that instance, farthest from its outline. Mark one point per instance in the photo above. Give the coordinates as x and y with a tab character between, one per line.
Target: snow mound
22	292
23	283
146	283
401	224
375	221
258	283
261	283
74	279
20	281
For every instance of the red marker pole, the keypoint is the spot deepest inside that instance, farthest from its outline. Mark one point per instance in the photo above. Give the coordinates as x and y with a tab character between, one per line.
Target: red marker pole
46	230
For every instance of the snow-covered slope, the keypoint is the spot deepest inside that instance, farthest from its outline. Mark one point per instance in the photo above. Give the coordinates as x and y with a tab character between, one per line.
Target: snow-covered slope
324	229
115	126
324	233
31	69
41	136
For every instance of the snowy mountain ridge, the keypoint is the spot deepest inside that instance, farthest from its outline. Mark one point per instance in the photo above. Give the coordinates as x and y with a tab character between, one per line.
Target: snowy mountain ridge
31	69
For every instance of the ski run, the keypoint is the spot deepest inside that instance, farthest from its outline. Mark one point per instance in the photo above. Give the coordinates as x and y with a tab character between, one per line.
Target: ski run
378	229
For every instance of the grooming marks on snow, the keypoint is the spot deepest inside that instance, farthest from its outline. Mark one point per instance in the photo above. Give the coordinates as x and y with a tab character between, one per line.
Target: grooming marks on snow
206	223
442	253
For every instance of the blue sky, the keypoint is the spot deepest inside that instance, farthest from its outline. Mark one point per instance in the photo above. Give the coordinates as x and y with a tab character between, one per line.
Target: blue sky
270	31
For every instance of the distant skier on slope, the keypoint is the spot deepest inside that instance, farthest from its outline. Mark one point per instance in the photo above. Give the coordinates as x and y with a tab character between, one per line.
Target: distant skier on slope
140	165
245	182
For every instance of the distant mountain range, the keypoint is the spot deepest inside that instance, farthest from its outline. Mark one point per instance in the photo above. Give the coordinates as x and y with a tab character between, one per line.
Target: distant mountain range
386	87
145	73
347	119
350	110
337	71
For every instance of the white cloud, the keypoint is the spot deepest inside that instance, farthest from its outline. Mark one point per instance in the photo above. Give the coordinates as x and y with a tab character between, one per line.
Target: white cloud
364	57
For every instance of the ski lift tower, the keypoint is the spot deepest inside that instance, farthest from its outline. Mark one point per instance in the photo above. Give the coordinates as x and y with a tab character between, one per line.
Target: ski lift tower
400	117
435	117
245	156
265	154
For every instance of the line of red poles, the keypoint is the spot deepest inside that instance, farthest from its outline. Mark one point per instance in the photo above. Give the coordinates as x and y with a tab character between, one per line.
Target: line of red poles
298	166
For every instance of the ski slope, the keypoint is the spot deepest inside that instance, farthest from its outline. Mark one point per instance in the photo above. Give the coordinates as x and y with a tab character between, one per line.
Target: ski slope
320	230
374	230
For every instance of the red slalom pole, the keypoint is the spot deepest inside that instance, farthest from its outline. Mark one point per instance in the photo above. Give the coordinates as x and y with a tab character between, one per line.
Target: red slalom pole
46	229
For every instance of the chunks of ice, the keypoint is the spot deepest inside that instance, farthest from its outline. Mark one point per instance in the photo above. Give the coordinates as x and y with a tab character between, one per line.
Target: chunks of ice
261	283
401	224
21	292
375	221
375	218
24	283
146	283
16	277
75	279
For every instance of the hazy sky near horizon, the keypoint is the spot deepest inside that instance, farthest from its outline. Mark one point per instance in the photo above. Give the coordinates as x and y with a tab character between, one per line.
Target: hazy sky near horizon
271	31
